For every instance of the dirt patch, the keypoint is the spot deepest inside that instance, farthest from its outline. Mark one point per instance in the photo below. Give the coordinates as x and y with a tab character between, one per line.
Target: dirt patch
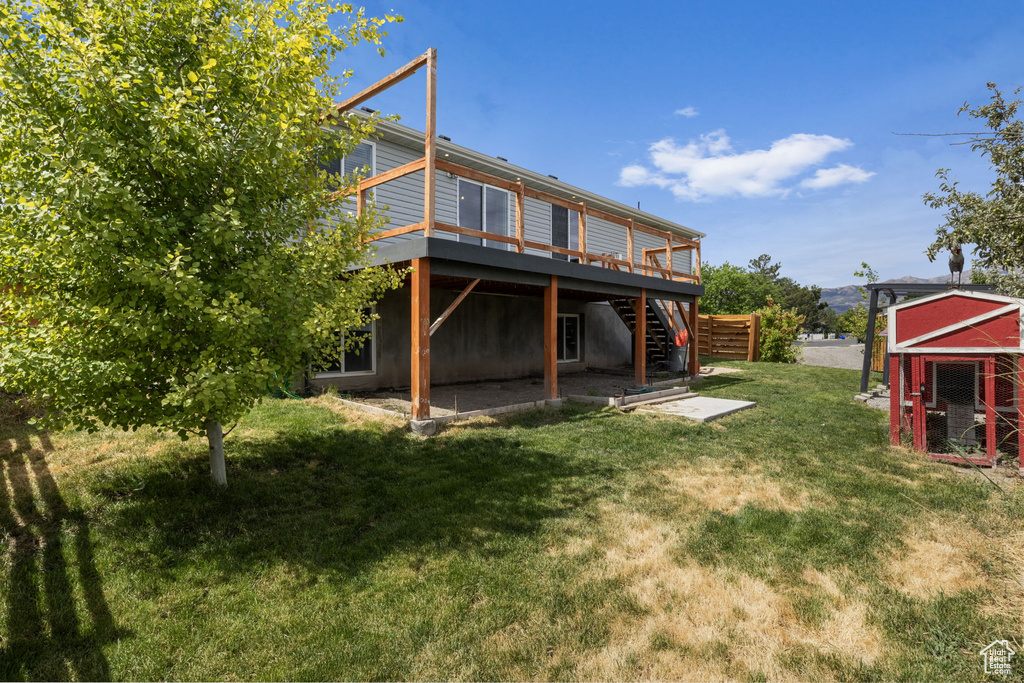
689	612
727	490
941	555
447	399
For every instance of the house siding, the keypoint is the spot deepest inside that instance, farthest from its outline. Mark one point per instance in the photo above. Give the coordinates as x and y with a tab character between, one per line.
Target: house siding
488	337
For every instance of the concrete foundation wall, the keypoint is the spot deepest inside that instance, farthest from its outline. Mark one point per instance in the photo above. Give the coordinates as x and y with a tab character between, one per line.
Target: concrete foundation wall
488	337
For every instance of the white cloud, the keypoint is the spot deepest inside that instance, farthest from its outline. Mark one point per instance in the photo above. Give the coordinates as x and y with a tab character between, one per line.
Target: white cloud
709	167
830	177
688	112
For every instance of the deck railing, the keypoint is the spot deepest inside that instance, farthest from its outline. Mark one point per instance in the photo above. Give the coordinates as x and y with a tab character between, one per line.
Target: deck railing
649	263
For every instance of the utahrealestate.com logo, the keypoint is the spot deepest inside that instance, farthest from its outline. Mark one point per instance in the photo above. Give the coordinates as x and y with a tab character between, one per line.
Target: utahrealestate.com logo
997	657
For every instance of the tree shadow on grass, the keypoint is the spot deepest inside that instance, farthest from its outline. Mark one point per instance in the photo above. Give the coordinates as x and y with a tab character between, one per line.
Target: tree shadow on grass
42	609
335	500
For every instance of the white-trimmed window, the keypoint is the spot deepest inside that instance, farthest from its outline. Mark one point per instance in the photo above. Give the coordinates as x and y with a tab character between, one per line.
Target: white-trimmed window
565	231
363	158
484	208
360	359
567	343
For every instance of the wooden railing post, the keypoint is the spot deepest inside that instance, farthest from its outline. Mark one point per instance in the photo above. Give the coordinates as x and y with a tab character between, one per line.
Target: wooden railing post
583	234
668	257
360	202
520	217
430	145
629	244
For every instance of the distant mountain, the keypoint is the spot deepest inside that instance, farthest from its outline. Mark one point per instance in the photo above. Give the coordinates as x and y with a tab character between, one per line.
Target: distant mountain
842	299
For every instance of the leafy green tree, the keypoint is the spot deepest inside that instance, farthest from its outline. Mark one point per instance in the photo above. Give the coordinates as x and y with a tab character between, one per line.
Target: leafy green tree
779	330
160	186
732	290
993	222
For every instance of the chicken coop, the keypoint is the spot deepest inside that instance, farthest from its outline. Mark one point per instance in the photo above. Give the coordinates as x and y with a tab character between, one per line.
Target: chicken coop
956	367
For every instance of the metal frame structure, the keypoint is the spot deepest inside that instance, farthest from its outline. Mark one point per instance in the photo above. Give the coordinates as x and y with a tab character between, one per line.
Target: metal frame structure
895	290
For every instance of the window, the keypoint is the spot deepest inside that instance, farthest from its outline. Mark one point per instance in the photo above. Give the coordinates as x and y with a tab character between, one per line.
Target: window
485	208
359	359
568	338
362	159
565	231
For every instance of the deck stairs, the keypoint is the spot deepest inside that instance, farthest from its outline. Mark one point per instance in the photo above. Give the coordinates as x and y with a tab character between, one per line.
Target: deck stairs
659	338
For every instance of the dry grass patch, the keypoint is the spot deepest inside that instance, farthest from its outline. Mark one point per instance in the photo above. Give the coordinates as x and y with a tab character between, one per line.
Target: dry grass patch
941	555
690	610
728	490
353	417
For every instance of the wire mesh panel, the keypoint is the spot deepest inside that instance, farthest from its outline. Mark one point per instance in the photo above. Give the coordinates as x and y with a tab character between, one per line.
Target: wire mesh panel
966	407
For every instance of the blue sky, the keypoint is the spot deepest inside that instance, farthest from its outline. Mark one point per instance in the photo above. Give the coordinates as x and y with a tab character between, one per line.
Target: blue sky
768	126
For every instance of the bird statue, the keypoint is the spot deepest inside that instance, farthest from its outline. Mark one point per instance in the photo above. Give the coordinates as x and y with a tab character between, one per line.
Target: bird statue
956	265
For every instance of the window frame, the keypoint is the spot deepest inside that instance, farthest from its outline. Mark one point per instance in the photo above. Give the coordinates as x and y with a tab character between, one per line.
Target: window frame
570	233
483	213
329	374
579	338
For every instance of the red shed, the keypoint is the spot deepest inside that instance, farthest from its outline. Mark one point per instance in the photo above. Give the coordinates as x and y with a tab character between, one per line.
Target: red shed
959	359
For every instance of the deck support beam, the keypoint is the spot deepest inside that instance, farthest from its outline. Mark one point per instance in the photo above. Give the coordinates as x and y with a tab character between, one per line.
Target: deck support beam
455	304
551	339
640	339
693	365
420	337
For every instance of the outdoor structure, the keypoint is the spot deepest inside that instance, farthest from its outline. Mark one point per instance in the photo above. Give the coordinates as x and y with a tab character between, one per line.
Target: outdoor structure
512	272
958	358
895	291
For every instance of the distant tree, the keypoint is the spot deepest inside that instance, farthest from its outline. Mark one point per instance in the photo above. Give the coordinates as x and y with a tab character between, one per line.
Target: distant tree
805	300
828	321
855	320
158	183
732	290
993	222
763	266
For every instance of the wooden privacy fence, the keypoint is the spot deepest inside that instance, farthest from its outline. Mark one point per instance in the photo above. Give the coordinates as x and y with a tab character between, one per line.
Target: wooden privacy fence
730	336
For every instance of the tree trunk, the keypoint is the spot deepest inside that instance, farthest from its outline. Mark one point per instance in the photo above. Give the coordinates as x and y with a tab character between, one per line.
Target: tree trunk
215	435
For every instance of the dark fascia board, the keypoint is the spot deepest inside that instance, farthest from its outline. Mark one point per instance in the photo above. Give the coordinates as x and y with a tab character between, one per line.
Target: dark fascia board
906	288
508	266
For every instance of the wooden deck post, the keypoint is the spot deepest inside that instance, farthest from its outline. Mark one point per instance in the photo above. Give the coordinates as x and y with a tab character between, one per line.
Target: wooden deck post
693	367
583	234
551	339
420	336
640	339
668	258
430	145
629	244
520	217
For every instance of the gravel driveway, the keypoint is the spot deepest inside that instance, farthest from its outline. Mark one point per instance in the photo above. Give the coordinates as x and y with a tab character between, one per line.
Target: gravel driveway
849	356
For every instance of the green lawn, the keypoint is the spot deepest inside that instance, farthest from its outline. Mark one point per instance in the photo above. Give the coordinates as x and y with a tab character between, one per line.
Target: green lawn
784	542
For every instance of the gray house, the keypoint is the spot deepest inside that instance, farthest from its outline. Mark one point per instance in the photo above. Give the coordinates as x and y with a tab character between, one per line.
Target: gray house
514	273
